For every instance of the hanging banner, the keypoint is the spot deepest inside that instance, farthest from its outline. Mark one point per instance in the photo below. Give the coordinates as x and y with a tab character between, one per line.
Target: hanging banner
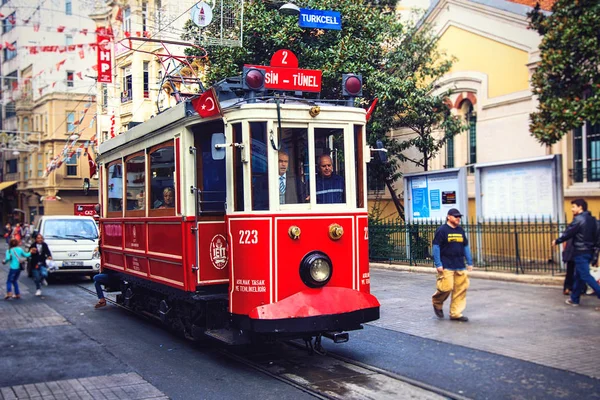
104	56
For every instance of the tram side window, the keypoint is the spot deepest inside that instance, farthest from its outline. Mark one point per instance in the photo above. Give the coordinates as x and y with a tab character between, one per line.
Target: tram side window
259	165
162	181
238	169
212	172
330	179
136	180
292	162
115	187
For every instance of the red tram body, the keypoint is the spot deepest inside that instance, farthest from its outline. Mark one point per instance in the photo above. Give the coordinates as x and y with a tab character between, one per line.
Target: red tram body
199	233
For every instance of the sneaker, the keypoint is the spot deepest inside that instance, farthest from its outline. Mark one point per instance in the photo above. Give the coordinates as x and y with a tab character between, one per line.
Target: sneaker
462	318
16	296
38	292
44	282
100	303
570	302
438	312
8	296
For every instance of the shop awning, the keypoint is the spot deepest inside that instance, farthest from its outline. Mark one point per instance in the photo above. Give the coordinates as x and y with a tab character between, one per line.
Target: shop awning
4	185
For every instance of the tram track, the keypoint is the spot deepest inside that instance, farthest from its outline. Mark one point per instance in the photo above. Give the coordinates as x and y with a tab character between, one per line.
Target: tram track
324	376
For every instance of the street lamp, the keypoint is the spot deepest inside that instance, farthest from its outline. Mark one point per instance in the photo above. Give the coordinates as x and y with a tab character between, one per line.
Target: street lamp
289	9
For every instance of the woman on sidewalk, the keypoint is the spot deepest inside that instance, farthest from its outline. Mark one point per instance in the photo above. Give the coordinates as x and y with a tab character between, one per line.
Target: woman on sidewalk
12	256
7	232
40	253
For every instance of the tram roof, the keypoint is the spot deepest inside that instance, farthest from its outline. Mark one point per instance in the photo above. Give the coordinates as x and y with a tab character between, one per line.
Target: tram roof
183	113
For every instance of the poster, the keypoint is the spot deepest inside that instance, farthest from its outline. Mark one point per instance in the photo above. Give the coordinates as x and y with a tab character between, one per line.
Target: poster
420	206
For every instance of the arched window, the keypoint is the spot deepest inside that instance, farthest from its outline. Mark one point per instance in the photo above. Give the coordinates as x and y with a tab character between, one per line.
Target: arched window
470	116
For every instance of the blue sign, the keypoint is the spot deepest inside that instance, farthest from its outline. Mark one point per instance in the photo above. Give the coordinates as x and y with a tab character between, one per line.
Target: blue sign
322	19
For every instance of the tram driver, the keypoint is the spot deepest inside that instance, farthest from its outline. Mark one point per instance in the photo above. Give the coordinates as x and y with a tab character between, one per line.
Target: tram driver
330	186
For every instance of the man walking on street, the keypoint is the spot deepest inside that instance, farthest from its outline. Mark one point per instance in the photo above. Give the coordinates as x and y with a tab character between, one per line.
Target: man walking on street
450	248
583	232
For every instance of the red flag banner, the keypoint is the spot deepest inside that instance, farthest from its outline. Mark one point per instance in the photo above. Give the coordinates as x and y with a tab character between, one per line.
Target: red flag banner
207	104
92	164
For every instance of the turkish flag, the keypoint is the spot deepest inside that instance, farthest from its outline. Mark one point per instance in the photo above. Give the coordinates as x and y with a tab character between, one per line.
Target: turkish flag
92	164
207	104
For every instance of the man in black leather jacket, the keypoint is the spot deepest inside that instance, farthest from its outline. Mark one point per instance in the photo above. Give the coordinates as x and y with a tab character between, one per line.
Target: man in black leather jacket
583	232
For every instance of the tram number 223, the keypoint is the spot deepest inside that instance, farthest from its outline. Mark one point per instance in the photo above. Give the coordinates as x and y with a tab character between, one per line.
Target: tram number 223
248	236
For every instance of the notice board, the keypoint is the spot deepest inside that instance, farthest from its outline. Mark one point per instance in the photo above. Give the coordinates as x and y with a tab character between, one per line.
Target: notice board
521	189
429	195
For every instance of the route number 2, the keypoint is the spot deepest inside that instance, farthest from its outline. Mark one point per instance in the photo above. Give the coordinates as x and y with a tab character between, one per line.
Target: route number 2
248	236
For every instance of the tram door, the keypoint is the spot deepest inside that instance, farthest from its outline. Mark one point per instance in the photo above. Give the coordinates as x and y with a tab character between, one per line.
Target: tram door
210	209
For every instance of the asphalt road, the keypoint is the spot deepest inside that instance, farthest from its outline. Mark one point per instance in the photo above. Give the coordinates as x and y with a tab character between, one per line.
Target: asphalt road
72	340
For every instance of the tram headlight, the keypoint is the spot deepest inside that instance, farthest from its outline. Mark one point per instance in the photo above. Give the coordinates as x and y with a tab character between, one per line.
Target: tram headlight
316	269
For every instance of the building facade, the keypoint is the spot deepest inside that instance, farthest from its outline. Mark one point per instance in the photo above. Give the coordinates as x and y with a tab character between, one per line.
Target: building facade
47	97
496	53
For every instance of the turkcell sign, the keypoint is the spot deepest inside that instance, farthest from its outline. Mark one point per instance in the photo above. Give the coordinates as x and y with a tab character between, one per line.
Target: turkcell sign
321	19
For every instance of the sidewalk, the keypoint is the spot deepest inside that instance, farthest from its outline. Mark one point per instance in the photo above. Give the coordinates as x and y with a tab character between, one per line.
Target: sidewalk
556	280
528	322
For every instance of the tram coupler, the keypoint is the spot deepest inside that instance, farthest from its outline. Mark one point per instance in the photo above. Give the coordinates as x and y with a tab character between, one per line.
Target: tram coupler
337	337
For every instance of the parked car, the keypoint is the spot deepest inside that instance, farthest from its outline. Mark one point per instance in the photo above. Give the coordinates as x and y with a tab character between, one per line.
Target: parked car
73	242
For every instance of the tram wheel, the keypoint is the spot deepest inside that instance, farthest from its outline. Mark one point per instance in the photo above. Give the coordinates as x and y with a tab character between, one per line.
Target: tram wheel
163	311
128	297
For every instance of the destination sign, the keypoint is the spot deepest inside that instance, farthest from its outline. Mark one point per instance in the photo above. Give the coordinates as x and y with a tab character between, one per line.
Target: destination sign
291	79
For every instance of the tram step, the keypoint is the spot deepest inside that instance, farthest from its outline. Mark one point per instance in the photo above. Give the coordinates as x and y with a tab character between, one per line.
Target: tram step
228	336
211	297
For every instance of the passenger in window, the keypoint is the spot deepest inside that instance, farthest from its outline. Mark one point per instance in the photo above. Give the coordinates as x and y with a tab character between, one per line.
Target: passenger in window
330	187
168	198
288	186
140	200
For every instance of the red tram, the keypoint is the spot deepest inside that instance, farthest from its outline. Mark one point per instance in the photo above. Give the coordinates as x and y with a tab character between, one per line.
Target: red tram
251	223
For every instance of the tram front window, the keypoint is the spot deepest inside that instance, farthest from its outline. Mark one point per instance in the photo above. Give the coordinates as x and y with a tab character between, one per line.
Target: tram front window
330	179
292	164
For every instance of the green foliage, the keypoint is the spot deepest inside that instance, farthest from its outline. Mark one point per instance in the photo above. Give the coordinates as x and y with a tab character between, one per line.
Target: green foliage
397	63
567	79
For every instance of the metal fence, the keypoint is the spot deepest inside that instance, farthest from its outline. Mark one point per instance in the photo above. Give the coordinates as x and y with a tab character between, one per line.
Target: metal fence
519	246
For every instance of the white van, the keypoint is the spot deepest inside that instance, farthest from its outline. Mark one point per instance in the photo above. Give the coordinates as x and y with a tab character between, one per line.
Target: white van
73	242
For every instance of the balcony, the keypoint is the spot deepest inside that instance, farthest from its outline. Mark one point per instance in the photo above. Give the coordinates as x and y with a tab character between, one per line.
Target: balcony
579	175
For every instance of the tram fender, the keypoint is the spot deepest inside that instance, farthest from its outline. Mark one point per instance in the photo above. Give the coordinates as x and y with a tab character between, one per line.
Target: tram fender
316	302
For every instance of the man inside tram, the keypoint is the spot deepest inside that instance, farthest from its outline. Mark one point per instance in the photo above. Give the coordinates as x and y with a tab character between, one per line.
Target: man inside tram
330	186
288	188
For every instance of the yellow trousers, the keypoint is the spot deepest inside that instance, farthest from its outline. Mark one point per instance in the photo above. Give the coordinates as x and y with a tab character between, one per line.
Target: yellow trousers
456	282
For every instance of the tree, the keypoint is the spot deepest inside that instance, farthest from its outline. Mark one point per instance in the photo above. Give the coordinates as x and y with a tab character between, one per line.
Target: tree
567	79
399	64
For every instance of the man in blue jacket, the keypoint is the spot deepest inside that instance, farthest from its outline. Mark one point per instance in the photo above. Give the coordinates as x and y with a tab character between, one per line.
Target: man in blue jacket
330	187
583	231
450	248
